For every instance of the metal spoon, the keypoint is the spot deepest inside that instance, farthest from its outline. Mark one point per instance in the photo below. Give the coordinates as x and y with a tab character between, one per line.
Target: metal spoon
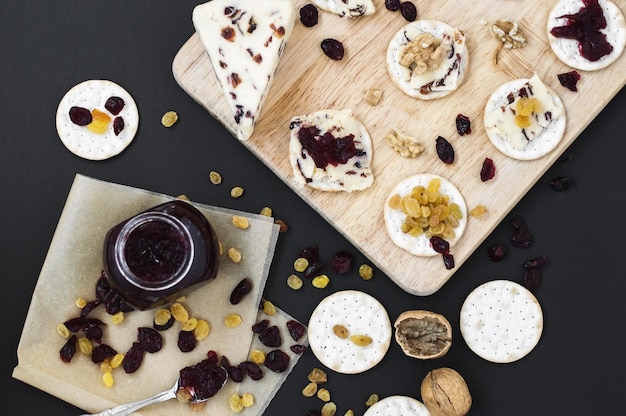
129	408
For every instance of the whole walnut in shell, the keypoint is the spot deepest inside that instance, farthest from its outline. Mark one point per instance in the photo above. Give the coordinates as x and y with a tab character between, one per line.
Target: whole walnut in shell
423	334
445	393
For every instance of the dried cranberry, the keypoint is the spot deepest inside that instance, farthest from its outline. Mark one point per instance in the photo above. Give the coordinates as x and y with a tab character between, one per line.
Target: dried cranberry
296	329
114	105
308	15
310	253
74	324
408	10
521	239
333	49
118	125
203	379
270	337
561	183
149	339
463	125
212	357
186	341
519	225
445	151
240	291
80	116
133	358
252	370
569	80
586	26
536	262
92	329
496	252
69	348
234	373
341	263
102	288
277	361
260	326
313	269
392	5
298	348
439	244
90	306
532	278
102	352
448	260
488	170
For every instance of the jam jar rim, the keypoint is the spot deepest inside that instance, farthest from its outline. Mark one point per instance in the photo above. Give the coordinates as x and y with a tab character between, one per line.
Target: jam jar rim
133	224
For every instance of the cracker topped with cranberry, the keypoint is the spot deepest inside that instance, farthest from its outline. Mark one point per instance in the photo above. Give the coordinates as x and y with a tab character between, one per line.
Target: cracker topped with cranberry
587	34
428	59
330	150
97	119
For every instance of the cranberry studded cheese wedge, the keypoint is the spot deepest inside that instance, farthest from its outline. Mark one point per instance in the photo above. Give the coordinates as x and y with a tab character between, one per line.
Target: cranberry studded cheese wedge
347	8
244	41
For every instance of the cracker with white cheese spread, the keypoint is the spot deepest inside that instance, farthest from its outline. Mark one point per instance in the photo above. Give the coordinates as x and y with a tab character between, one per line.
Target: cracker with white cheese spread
428	59
330	150
525	118
244	41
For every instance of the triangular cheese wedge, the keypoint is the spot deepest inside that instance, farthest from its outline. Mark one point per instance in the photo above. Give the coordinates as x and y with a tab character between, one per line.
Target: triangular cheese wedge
244	41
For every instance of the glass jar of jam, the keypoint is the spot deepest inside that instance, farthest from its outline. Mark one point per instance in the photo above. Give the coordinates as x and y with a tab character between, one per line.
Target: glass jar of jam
160	254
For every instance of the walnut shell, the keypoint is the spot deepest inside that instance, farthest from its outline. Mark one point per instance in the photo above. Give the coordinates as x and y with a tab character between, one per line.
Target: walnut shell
445	393
423	334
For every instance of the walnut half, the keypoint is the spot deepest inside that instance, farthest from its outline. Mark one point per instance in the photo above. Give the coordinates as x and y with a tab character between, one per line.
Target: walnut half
406	145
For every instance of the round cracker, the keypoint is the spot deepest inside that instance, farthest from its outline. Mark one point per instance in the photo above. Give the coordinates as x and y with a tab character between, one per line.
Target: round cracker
541	145
567	49
420	245
333	178
398	405
501	321
361	314
397	44
93	94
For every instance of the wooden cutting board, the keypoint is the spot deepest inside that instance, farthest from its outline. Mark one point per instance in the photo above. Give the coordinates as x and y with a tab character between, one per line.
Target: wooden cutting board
307	81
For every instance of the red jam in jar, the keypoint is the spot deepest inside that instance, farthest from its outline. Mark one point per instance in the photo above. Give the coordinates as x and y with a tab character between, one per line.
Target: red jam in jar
160	254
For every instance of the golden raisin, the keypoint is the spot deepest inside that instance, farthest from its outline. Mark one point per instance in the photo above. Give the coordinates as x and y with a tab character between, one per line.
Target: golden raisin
309	390
190	324
373	399
266	211
269	308
63	331
232	320
341	331
118	318
235	403
117	359
283	227
179	312
85	346
478	211
300	264
99	122
215	177
522	121
107	379
366	271
241	222
202	329
323	394
294	282
329	409
257	356
361	340
234	255
247	399
169	118
81	302
162	316
236	192
320	281
317	376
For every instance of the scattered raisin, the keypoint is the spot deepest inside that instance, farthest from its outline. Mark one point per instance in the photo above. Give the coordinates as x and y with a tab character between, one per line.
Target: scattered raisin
333	49
488	170
561	183
118	125
536	262
341	263
448	260
102	352
496	252
114	105
521	237
234	373
260	326
277	361
440	245
296	329
463	125
309	15
569	80
133	358
80	116
149	339
90	306
445	151
186	341
92	329
298	348
240	291
270	337
212	357
310	253
408	10
532	278
392	5
69	348
74	324
313	269
252	370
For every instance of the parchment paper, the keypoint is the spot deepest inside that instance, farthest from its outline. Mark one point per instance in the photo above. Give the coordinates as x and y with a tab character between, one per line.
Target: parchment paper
73	265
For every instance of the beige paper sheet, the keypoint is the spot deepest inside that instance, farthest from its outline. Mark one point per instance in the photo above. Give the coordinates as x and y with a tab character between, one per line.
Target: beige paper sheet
70	270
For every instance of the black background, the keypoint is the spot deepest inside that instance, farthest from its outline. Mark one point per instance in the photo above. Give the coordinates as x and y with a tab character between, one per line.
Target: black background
47	47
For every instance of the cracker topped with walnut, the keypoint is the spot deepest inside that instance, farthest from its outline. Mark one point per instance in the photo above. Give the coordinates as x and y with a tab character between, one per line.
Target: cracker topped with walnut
427	59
